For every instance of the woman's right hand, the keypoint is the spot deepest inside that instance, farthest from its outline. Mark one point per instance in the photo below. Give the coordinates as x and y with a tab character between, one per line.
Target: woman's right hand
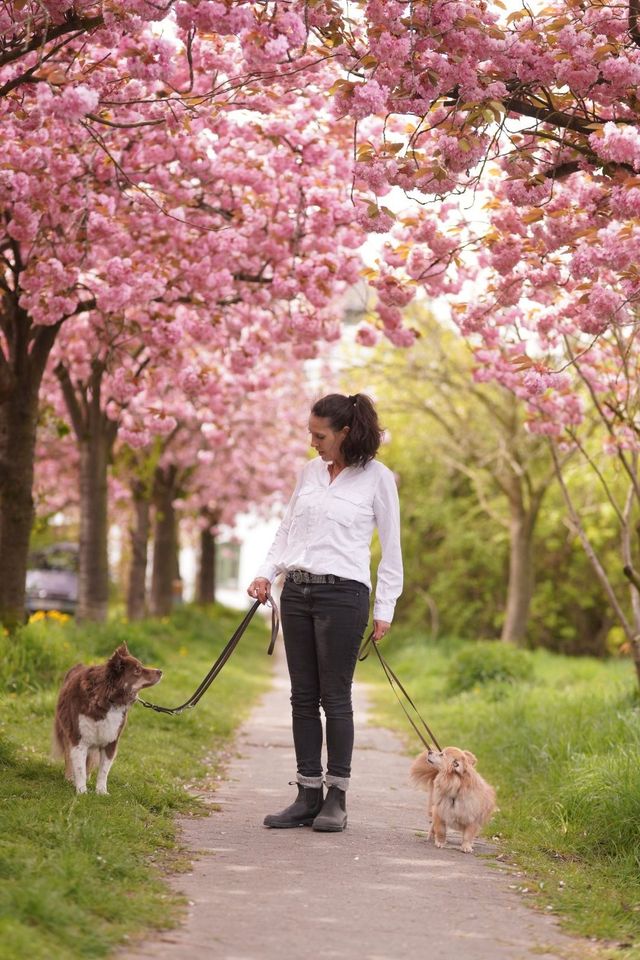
260	589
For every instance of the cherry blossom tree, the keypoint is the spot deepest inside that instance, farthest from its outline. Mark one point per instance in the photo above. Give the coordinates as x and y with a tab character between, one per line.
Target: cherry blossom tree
150	230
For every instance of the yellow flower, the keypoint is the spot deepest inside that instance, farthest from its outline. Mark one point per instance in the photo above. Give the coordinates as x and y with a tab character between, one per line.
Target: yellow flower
58	616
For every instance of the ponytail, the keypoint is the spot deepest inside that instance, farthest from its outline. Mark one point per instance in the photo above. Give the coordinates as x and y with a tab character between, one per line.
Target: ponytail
359	414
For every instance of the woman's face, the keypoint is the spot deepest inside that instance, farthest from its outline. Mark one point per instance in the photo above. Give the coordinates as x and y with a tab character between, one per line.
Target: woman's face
325	440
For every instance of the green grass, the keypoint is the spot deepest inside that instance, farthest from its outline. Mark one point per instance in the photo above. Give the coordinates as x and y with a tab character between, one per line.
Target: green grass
563	749
79	874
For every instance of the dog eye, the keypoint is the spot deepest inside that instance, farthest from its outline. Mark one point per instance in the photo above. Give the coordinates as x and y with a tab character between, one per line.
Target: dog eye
455	763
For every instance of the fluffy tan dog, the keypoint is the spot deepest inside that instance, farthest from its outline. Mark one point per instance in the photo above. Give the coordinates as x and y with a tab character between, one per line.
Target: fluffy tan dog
458	797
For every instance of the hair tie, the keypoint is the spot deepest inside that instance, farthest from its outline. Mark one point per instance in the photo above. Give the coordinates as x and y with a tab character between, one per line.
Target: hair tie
353	399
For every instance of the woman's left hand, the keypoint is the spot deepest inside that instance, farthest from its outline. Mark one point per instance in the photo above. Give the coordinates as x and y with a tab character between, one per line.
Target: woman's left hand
380	627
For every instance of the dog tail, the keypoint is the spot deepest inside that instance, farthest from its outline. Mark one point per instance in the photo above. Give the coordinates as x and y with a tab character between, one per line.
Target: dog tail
57	749
421	773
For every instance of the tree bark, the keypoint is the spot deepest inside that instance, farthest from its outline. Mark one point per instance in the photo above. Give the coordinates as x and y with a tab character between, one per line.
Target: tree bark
139	539
96	435
521	578
165	541
23	359
93	583
206	587
18	420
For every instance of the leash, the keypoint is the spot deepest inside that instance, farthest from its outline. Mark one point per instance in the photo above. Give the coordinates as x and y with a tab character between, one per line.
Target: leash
222	659
394	683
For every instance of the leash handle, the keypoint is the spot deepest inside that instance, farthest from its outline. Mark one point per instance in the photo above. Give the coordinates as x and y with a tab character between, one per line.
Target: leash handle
394	682
230	646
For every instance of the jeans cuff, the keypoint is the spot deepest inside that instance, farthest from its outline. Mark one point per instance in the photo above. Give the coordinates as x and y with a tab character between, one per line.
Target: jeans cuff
313	782
341	783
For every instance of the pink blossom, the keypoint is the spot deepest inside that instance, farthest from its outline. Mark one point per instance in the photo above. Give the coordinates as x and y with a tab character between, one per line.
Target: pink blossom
392	292
401	337
618	143
367	98
77	101
367	336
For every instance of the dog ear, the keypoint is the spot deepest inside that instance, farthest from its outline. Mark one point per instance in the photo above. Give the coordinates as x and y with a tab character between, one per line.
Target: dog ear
116	660
471	757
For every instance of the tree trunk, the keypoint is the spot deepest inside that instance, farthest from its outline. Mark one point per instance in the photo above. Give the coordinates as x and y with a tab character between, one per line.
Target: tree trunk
96	435
206	590
18	420
165	542
521	576
139	538
23	358
93	584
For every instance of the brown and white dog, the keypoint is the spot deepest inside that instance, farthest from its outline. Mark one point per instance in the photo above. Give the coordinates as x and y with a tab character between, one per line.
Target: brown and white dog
458	797
92	711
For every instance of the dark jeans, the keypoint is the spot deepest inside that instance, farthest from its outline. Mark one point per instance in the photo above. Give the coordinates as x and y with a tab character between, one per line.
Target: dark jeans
323	625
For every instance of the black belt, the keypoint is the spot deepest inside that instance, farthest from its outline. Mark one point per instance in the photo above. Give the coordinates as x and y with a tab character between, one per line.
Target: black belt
303	576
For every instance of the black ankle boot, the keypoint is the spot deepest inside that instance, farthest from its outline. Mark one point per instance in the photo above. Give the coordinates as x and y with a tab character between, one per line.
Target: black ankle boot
333	816
301	813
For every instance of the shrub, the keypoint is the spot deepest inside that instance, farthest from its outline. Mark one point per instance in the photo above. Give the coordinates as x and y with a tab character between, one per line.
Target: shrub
600	802
34	657
487	662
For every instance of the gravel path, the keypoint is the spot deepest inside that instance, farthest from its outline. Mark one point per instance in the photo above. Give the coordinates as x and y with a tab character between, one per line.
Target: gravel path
378	891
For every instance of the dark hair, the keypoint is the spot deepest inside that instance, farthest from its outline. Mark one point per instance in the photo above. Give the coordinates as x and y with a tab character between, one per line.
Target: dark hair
359	414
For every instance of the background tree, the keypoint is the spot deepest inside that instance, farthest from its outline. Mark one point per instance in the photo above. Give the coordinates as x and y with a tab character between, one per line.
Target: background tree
480	508
479	430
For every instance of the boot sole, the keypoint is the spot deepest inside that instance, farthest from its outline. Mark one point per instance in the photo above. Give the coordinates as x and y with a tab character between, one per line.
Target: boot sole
330	829
288	826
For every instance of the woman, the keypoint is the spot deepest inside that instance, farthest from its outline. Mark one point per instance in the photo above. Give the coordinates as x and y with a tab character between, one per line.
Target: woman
323	548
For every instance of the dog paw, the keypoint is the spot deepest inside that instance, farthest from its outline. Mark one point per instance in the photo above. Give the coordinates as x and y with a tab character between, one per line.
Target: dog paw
440	843
102	791
81	789
466	848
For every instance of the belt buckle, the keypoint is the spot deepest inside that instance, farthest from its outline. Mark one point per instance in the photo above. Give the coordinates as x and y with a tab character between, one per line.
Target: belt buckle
297	576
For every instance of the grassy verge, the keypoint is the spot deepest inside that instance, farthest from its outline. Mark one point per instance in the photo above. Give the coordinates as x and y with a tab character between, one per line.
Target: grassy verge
562	747
80	874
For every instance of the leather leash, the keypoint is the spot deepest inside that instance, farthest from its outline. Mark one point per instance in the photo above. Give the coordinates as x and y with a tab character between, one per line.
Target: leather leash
222	659
395	682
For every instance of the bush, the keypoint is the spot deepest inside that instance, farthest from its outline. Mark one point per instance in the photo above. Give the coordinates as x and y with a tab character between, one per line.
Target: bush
39	654
600	802
33	658
487	662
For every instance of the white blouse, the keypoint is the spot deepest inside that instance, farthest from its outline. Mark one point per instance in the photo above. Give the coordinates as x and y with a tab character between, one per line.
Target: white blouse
327	528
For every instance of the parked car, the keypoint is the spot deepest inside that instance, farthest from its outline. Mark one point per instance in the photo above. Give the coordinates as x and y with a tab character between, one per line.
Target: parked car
52	579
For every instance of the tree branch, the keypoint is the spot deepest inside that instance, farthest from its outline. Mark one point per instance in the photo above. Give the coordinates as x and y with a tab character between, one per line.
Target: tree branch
588	548
78	421
77	24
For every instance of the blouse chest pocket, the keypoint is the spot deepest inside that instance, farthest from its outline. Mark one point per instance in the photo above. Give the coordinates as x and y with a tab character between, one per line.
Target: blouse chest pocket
345	507
307	497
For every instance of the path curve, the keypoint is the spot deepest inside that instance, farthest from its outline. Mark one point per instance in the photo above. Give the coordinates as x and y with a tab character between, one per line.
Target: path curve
378	891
